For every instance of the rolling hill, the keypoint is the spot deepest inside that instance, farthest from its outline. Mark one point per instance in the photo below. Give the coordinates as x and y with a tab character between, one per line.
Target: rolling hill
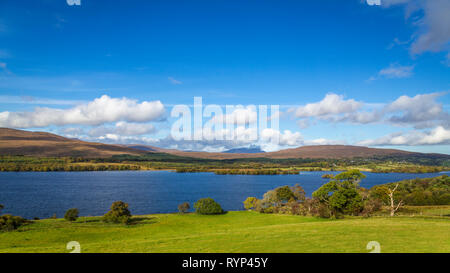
317	151
19	142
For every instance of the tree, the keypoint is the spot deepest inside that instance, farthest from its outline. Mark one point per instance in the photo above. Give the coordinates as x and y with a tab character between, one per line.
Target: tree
71	214
184	207
390	192
325	191
207	206
284	194
1	207
341	194
352	176
299	193
345	201
270	198
250	203
118	213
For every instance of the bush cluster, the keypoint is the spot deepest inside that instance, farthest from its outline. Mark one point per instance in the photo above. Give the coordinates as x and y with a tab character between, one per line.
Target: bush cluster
118	213
184	207
207	206
71	214
340	196
419	191
9	222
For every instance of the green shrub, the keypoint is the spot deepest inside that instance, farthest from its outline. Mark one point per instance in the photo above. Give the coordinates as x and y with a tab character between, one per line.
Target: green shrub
284	193
250	203
71	214
9	222
118	213
184	207
207	206
268	210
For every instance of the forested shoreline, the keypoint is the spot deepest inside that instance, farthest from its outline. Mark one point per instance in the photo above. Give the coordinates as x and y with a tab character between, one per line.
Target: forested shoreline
251	166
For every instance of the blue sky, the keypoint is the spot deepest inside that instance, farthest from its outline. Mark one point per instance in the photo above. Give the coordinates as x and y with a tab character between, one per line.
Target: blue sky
392	60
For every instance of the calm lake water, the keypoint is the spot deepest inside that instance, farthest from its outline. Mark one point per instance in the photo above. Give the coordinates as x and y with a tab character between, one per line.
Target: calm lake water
42	194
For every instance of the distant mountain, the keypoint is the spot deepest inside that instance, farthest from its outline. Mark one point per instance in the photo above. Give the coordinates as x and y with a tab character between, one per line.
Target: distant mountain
18	142
317	151
244	150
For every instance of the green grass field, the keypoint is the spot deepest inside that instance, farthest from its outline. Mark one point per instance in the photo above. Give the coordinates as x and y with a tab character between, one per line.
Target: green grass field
233	232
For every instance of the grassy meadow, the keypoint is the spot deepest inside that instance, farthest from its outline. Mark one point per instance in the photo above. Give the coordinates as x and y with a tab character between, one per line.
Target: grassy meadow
240	231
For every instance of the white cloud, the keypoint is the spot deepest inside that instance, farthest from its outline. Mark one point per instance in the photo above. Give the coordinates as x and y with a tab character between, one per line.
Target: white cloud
286	138
123	128
434	30
323	141
438	135
239	116
332	104
420	111
373	2
99	111
118	139
174	81
395	71
433	25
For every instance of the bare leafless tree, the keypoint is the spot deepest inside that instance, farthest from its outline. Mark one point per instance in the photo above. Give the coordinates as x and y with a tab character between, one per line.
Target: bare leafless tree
390	193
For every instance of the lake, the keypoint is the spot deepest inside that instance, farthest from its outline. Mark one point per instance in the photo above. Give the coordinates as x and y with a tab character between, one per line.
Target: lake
42	194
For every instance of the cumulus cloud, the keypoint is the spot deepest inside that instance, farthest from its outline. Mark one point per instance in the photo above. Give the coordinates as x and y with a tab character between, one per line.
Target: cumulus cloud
124	129
434	27
432	22
420	111
332	104
324	141
99	111
285	138
334	108
438	135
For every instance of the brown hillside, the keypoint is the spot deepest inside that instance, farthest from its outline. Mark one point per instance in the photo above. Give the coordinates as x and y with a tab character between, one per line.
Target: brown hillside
318	151
18	142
